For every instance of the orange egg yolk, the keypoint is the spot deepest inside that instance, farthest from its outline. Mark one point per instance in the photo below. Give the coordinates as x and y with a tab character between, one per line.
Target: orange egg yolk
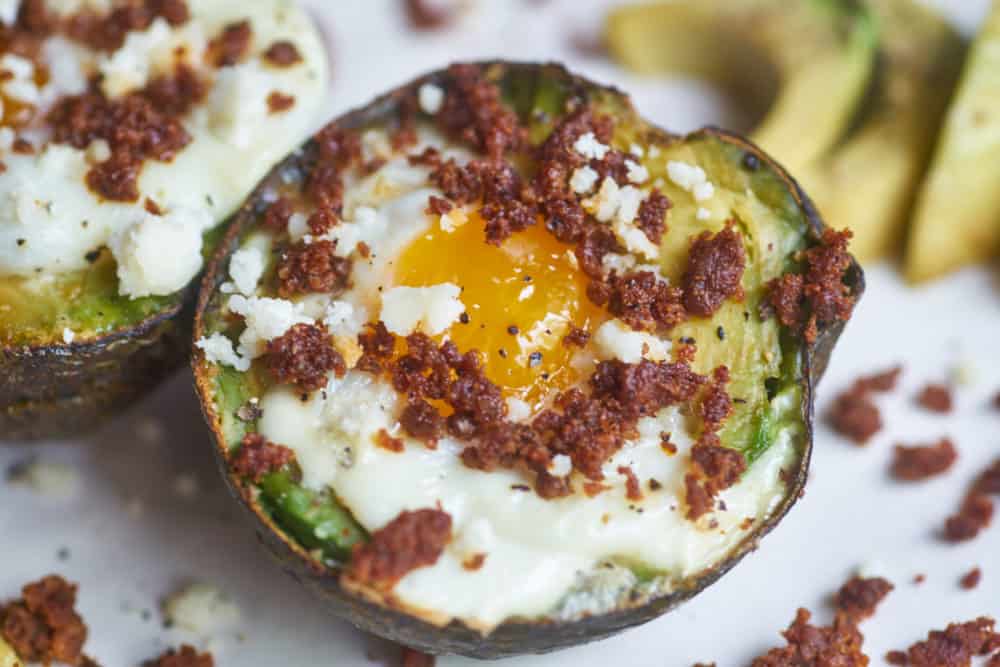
521	299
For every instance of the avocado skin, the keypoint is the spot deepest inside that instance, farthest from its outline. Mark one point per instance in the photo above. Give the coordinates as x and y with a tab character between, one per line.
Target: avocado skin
513	637
59	390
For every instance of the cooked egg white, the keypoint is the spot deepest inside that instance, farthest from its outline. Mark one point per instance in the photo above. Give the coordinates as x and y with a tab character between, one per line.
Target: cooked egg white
50	220
555	558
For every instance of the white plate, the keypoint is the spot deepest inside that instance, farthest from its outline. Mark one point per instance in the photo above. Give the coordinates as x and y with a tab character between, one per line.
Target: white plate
132	538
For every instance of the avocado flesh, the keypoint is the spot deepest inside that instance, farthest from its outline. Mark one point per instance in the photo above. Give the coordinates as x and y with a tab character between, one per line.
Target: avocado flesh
801	67
122	348
772	373
957	216
869	182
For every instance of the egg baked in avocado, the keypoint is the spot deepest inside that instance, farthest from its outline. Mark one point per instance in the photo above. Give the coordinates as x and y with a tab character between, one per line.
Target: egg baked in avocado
500	368
130	131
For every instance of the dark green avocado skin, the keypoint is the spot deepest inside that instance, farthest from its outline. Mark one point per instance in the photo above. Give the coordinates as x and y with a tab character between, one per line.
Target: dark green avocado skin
512	638
58	391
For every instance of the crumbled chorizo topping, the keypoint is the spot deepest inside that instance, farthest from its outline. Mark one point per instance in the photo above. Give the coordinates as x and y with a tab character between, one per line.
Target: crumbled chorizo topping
283	54
854	413
936	398
858	598
956	645
185	656
312	267
43	626
923	462
278	102
976	511
258	456
805	302
653	216
105	32
426	15
303	356
413	658
716	468
474	113
632	489
715	271
277	215
474	562
385	441
410	541
231	45
640	300
837	645
971	579
576	337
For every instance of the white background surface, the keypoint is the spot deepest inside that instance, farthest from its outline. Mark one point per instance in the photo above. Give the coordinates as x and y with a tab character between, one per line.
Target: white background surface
132	539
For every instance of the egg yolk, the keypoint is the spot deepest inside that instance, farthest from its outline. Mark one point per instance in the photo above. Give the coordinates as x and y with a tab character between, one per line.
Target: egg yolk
521	300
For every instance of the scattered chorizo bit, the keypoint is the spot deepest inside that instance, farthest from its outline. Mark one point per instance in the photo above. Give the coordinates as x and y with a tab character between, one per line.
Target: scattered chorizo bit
278	102
185	656
919	579
936	398
474	562
389	443
474	113
996	401
971	579
410	541
277	215
632	489
839	644
858	598
883	381
976	511
427	15
258	456
956	645
576	337
640	300
652	218
43	626
897	658
421	420
912	464
855	416
716	404
414	658
231	45
304	356
805	302
312	267
715	271
716	468
283	54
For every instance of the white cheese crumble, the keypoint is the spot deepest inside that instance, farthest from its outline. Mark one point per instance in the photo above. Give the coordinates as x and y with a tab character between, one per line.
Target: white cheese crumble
68	335
431	98
246	267
616	340
219	350
561	465
583	180
637	173
589	147
20	84
691	178
340	318
452	220
526	293
237	104
130	67
266	319
160	254
703	213
8	11
298	226
636	150
432	309
517	410
202	609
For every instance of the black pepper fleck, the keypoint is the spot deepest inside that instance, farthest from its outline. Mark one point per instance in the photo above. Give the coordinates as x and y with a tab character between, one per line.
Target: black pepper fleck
751	162
464	318
513	330
21	242
534	359
721	333
687	340
92	256
502	353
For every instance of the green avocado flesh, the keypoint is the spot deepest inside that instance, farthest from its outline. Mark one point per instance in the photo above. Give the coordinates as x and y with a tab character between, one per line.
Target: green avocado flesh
769	383
35	311
799	68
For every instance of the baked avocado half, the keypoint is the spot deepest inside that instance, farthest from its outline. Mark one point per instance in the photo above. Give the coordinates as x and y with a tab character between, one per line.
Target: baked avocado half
801	67
498	367
957	216
128	136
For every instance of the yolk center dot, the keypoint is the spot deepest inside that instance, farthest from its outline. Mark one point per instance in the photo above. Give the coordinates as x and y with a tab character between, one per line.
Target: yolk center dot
521	299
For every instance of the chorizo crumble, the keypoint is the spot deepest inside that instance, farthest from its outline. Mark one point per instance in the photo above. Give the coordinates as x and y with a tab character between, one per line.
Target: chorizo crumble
410	541
976	511
43	626
185	656
936	398
923	462
858	598
258	456
303	356
414	658
854	413
971	579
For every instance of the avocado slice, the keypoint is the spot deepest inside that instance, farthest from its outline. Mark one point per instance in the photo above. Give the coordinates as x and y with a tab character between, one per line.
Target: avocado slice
957	216
314	535
802	68
869	182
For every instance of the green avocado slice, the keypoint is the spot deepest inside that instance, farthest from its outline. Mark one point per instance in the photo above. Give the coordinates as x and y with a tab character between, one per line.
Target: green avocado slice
869	182
801	67
957	217
773	370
